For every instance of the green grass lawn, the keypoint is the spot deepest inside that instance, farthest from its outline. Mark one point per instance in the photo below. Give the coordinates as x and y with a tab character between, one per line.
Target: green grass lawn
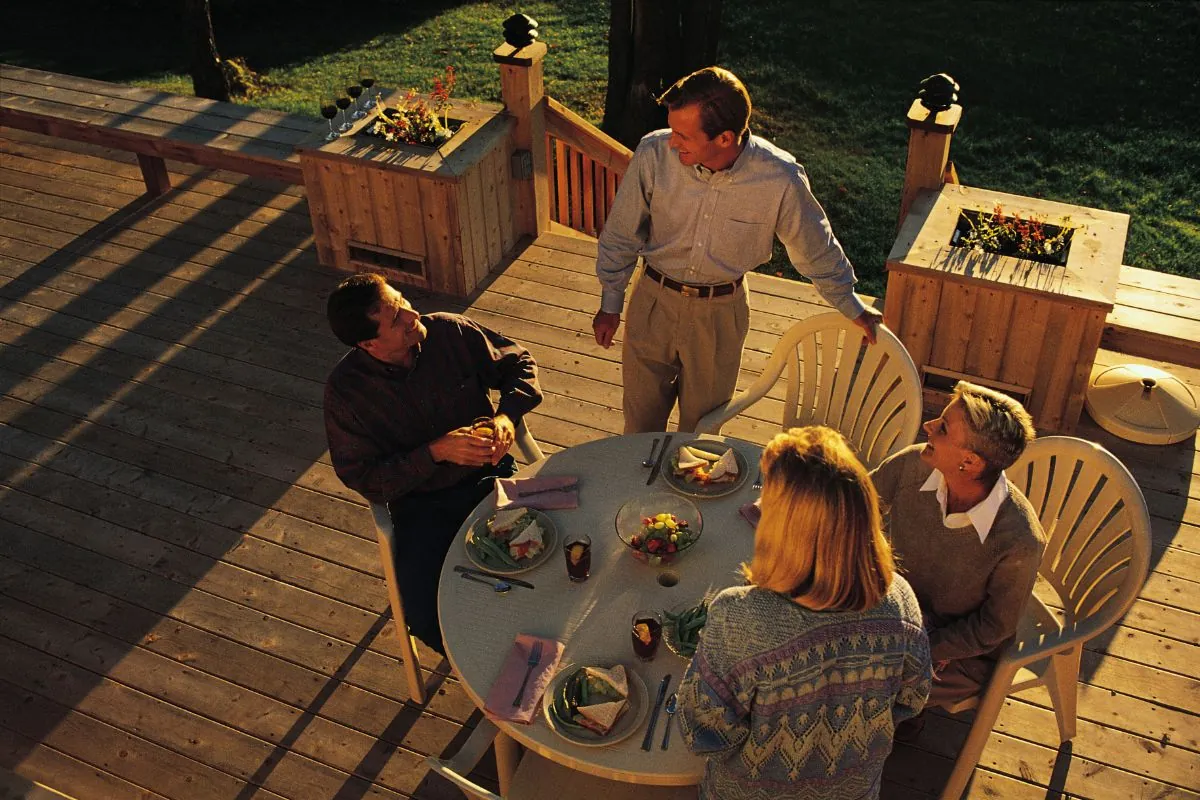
1093	102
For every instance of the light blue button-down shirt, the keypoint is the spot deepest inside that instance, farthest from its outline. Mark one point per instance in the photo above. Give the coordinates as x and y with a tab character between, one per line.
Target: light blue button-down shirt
702	227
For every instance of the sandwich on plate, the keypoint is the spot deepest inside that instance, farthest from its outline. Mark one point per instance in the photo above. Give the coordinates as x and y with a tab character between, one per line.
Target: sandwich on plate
608	697
591	699
518	531
699	466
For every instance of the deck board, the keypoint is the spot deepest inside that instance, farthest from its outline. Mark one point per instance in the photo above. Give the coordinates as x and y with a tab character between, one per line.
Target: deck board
191	603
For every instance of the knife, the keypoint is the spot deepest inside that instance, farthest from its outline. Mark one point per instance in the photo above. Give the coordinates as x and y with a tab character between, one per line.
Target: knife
658	464
647	743
494	576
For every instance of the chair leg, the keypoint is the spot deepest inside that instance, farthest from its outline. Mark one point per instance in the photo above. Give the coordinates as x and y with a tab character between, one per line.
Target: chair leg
985	718
1062	682
508	752
408	646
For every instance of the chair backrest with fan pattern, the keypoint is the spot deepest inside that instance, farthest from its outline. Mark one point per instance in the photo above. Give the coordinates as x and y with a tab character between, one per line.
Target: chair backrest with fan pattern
1097	528
872	394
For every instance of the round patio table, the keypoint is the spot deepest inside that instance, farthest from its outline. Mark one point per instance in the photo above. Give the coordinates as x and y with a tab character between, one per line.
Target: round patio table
592	618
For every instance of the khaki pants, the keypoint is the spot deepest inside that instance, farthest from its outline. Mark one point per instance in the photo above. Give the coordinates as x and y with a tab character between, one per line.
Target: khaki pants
680	348
960	679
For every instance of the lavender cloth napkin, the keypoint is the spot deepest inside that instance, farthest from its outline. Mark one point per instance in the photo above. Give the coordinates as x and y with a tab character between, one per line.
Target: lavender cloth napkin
752	512
542	493
504	689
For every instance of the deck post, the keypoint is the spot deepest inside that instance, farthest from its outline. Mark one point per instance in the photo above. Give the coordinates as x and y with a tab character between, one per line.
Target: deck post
524	91
928	151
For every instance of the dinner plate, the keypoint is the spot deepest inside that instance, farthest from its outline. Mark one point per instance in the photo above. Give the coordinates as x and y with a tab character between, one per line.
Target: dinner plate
679	484
549	545
671	632
627	725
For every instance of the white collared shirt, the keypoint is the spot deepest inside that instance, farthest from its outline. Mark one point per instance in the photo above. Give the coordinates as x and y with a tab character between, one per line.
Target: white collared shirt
981	515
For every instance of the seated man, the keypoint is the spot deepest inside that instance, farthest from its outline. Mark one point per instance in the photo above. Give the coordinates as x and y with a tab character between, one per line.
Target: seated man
968	542
398	414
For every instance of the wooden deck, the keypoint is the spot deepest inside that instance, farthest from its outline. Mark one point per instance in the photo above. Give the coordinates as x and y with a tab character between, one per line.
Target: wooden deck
190	602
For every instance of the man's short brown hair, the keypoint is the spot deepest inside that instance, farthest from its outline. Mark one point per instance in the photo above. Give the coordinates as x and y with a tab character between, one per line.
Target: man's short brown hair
351	305
723	100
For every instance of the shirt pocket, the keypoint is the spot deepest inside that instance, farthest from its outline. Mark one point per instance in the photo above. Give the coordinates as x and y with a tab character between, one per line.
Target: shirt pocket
740	243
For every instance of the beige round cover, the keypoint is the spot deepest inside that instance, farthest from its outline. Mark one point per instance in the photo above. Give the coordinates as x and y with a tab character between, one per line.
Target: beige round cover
1142	404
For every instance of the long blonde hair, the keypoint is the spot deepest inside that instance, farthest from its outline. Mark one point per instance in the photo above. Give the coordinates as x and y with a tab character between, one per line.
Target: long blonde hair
820	540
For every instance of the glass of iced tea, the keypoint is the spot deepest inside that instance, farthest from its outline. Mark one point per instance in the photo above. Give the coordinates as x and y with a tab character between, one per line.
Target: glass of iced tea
578	552
647	633
485	427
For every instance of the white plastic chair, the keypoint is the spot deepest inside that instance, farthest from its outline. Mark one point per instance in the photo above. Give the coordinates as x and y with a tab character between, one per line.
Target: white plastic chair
1097	557
527	446
538	778
870	393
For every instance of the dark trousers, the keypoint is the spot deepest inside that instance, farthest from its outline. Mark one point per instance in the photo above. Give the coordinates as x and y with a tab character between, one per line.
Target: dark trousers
425	525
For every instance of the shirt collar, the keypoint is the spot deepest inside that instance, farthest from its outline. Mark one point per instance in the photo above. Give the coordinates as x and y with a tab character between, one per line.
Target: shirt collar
733	169
982	515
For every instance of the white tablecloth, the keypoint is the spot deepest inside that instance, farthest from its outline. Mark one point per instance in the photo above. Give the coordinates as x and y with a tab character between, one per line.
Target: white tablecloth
593	618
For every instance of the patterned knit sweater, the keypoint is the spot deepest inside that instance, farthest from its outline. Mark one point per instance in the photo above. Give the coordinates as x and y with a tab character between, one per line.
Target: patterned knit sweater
793	703
971	592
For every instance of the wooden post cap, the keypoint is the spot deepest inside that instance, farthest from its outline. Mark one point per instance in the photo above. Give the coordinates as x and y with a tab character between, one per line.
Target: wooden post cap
922	118
525	56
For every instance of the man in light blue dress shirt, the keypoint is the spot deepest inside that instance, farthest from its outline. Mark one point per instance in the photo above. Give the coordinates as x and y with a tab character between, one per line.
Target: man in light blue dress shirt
702	203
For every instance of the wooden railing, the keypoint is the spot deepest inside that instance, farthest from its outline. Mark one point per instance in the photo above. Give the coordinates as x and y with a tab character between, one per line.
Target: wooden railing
584	167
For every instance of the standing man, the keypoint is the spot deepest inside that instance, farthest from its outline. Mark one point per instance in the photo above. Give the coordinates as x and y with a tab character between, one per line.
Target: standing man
398	414
702	217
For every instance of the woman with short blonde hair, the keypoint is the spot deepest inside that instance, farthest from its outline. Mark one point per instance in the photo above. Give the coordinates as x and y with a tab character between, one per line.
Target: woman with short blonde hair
801	676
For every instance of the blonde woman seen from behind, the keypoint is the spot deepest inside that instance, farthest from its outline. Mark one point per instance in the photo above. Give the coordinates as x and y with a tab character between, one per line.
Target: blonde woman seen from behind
802	675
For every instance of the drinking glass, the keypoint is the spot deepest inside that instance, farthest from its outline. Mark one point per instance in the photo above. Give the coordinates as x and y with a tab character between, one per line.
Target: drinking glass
366	79
355	89
329	110
578	552
343	102
646	631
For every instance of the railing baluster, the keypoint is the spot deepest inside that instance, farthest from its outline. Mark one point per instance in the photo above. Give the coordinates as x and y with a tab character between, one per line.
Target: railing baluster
576	189
563	188
587	189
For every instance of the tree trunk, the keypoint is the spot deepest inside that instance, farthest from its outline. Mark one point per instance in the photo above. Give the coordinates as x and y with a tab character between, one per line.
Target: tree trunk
652	44
208	79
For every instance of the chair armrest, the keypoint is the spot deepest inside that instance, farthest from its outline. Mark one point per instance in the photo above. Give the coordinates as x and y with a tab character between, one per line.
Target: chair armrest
1040	634
457	767
527	445
713	420
383	524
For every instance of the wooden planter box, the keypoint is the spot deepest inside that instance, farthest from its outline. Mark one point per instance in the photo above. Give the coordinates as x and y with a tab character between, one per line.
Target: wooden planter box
1028	329
439	219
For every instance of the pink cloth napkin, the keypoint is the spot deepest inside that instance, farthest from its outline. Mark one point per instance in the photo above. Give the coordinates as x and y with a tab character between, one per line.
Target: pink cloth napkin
504	689
546	494
752	512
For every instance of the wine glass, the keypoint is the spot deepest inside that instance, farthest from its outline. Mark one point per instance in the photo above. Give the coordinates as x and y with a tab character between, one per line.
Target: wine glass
329	110
343	102
366	78
355	89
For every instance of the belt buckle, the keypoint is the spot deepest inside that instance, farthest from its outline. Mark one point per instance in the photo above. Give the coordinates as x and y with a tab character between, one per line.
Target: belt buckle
689	291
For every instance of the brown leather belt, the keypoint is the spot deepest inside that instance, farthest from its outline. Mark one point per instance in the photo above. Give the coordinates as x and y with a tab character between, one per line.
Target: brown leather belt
687	290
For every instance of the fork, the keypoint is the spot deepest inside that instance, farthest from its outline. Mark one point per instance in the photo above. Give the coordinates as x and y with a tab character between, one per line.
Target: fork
535	657
757	481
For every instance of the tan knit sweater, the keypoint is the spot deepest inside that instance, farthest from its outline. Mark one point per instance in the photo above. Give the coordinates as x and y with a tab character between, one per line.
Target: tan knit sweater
971	592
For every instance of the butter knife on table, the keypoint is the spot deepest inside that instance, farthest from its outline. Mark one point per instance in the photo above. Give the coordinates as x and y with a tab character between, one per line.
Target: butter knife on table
494	576
658	464
648	742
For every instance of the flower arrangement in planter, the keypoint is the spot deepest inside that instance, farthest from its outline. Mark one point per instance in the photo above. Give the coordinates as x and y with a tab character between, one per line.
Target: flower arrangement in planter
415	120
1030	238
